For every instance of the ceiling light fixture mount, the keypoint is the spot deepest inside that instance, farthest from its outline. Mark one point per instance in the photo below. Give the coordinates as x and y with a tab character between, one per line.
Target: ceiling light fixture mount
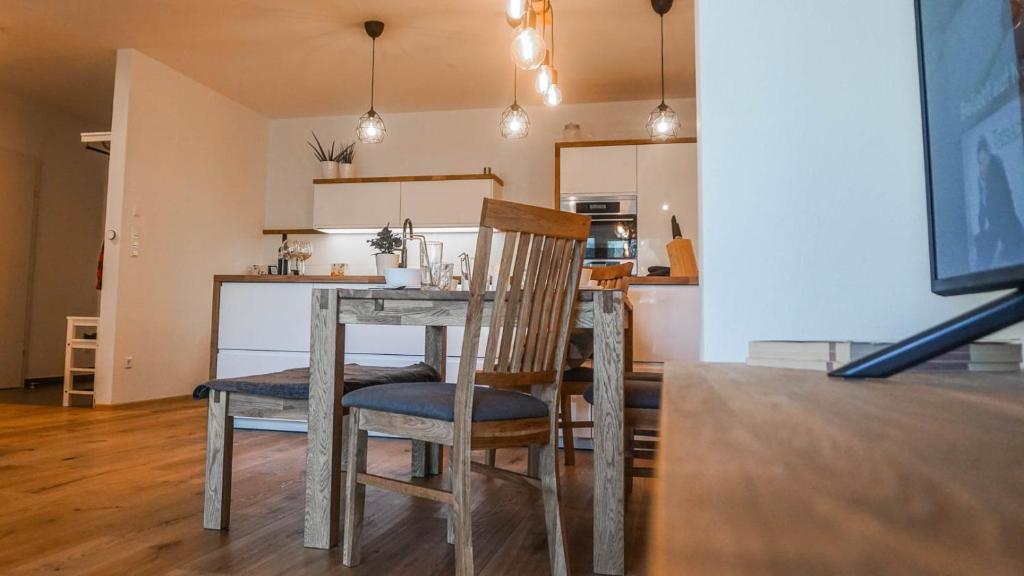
663	123
371	129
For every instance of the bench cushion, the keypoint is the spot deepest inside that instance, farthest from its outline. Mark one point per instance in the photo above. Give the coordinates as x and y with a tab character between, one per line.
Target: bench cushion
639	394
436	400
294	383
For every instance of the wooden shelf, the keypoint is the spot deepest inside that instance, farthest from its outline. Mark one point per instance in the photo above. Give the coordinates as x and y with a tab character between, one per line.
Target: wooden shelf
82	344
664	281
276	279
436	178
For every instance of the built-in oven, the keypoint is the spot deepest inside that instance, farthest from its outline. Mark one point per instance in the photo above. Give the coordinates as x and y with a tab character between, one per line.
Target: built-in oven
612	228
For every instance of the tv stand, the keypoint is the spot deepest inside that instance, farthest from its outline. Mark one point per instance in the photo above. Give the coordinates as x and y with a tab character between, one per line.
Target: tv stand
963	329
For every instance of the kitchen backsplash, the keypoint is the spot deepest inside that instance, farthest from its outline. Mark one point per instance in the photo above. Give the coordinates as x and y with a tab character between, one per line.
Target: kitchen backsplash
353	250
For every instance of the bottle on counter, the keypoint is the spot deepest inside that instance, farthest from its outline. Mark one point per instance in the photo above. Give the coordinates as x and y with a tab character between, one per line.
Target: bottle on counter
282	256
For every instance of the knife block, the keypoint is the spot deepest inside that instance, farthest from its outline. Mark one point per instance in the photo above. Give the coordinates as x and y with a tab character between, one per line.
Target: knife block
681	258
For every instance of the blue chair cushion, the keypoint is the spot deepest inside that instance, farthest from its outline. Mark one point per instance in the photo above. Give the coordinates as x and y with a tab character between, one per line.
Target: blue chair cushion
294	384
639	394
436	400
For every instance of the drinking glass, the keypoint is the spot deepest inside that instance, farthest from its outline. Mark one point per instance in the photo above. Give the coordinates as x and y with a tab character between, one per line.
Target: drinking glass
430	263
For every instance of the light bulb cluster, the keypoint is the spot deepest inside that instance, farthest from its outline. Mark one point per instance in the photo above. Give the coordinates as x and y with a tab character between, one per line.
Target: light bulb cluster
530	50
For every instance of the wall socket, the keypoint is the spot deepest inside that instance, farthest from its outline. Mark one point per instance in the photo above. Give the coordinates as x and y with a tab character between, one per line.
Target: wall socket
128	362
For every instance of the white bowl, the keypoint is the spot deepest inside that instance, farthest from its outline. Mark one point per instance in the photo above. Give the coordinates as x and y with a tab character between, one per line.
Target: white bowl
402	277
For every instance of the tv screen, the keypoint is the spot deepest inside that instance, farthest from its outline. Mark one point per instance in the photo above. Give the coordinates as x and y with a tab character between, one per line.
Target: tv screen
971	57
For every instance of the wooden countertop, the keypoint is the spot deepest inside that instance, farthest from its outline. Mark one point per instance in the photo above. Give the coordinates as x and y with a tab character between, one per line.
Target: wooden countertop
435	178
664	281
770	471
274	279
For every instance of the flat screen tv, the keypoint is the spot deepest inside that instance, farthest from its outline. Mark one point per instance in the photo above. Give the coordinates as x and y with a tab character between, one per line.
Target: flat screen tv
971	58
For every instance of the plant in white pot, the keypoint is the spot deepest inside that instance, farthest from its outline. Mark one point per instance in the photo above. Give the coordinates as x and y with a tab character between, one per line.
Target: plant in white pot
329	159
385	243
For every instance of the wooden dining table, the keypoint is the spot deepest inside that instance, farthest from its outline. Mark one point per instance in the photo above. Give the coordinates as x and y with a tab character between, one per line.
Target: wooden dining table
602	310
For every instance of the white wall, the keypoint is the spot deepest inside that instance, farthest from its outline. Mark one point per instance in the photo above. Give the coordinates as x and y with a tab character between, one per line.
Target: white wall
812	184
69	221
187	172
453	142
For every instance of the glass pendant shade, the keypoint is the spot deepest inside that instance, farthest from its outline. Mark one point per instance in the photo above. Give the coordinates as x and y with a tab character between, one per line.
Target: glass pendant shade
663	123
371	128
545	78
514	122
553	97
515	11
528	48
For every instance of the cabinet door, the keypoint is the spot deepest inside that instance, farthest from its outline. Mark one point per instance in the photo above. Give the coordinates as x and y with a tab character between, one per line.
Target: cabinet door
357	205
598	170
445	202
264	316
666	323
666	185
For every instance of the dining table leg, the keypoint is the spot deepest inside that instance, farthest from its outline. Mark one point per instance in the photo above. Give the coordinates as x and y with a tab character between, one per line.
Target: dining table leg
428	458
323	452
609	450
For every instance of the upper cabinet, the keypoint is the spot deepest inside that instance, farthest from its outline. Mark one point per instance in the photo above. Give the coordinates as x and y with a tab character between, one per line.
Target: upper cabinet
446	202
598	170
666	187
357	205
430	201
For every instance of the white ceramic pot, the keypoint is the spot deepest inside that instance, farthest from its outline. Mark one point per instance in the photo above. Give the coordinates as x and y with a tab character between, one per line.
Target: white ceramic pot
329	169
402	277
385	261
346	170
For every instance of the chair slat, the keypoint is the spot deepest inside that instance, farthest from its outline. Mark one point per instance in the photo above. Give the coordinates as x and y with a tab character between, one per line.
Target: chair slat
550	297
508	323
526	303
533	335
497	314
556	316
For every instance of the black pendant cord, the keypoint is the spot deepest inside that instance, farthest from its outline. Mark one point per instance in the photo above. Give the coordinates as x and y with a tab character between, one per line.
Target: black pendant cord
662	59
515	86
373	69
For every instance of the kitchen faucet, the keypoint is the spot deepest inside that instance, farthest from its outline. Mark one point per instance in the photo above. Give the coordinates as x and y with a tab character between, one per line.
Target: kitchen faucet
407	236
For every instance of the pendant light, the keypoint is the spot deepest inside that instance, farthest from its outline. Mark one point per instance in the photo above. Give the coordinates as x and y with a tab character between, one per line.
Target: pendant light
553	94
370	129
515	11
663	123
528	48
515	124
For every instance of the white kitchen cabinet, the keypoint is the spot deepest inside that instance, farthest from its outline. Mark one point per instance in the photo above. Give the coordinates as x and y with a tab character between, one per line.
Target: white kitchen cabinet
357	205
666	185
265	316
666	323
598	170
446	202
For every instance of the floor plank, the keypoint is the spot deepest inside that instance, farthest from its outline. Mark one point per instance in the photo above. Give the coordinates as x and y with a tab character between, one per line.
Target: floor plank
120	492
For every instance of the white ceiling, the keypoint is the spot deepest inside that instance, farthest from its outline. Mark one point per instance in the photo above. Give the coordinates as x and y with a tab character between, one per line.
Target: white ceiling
287	58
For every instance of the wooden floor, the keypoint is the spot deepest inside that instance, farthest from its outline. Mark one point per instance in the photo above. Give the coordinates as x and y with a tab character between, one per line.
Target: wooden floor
120	492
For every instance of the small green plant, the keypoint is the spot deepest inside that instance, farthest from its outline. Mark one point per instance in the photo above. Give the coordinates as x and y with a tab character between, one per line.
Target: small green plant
345	154
386	241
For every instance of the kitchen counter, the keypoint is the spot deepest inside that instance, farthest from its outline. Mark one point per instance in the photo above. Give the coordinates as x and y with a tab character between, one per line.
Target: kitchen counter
664	281
272	279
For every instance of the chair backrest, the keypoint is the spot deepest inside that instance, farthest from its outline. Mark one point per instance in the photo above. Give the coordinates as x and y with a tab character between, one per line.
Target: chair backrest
535	291
616	276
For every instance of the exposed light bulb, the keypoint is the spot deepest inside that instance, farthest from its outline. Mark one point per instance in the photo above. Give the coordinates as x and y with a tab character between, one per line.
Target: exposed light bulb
515	10
553	97
370	129
663	123
528	48
514	122
545	76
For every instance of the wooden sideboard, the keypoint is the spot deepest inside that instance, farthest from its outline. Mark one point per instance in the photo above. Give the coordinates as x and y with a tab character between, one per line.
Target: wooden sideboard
770	471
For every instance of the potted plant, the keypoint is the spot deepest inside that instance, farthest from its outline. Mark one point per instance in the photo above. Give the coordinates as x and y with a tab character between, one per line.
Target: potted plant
385	243
344	158
329	159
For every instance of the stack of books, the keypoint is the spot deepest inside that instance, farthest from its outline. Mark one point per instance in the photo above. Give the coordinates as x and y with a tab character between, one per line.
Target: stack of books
825	356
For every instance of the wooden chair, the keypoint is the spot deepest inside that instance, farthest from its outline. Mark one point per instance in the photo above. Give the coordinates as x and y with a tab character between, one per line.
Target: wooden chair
282	394
642	401
577	380
526	345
